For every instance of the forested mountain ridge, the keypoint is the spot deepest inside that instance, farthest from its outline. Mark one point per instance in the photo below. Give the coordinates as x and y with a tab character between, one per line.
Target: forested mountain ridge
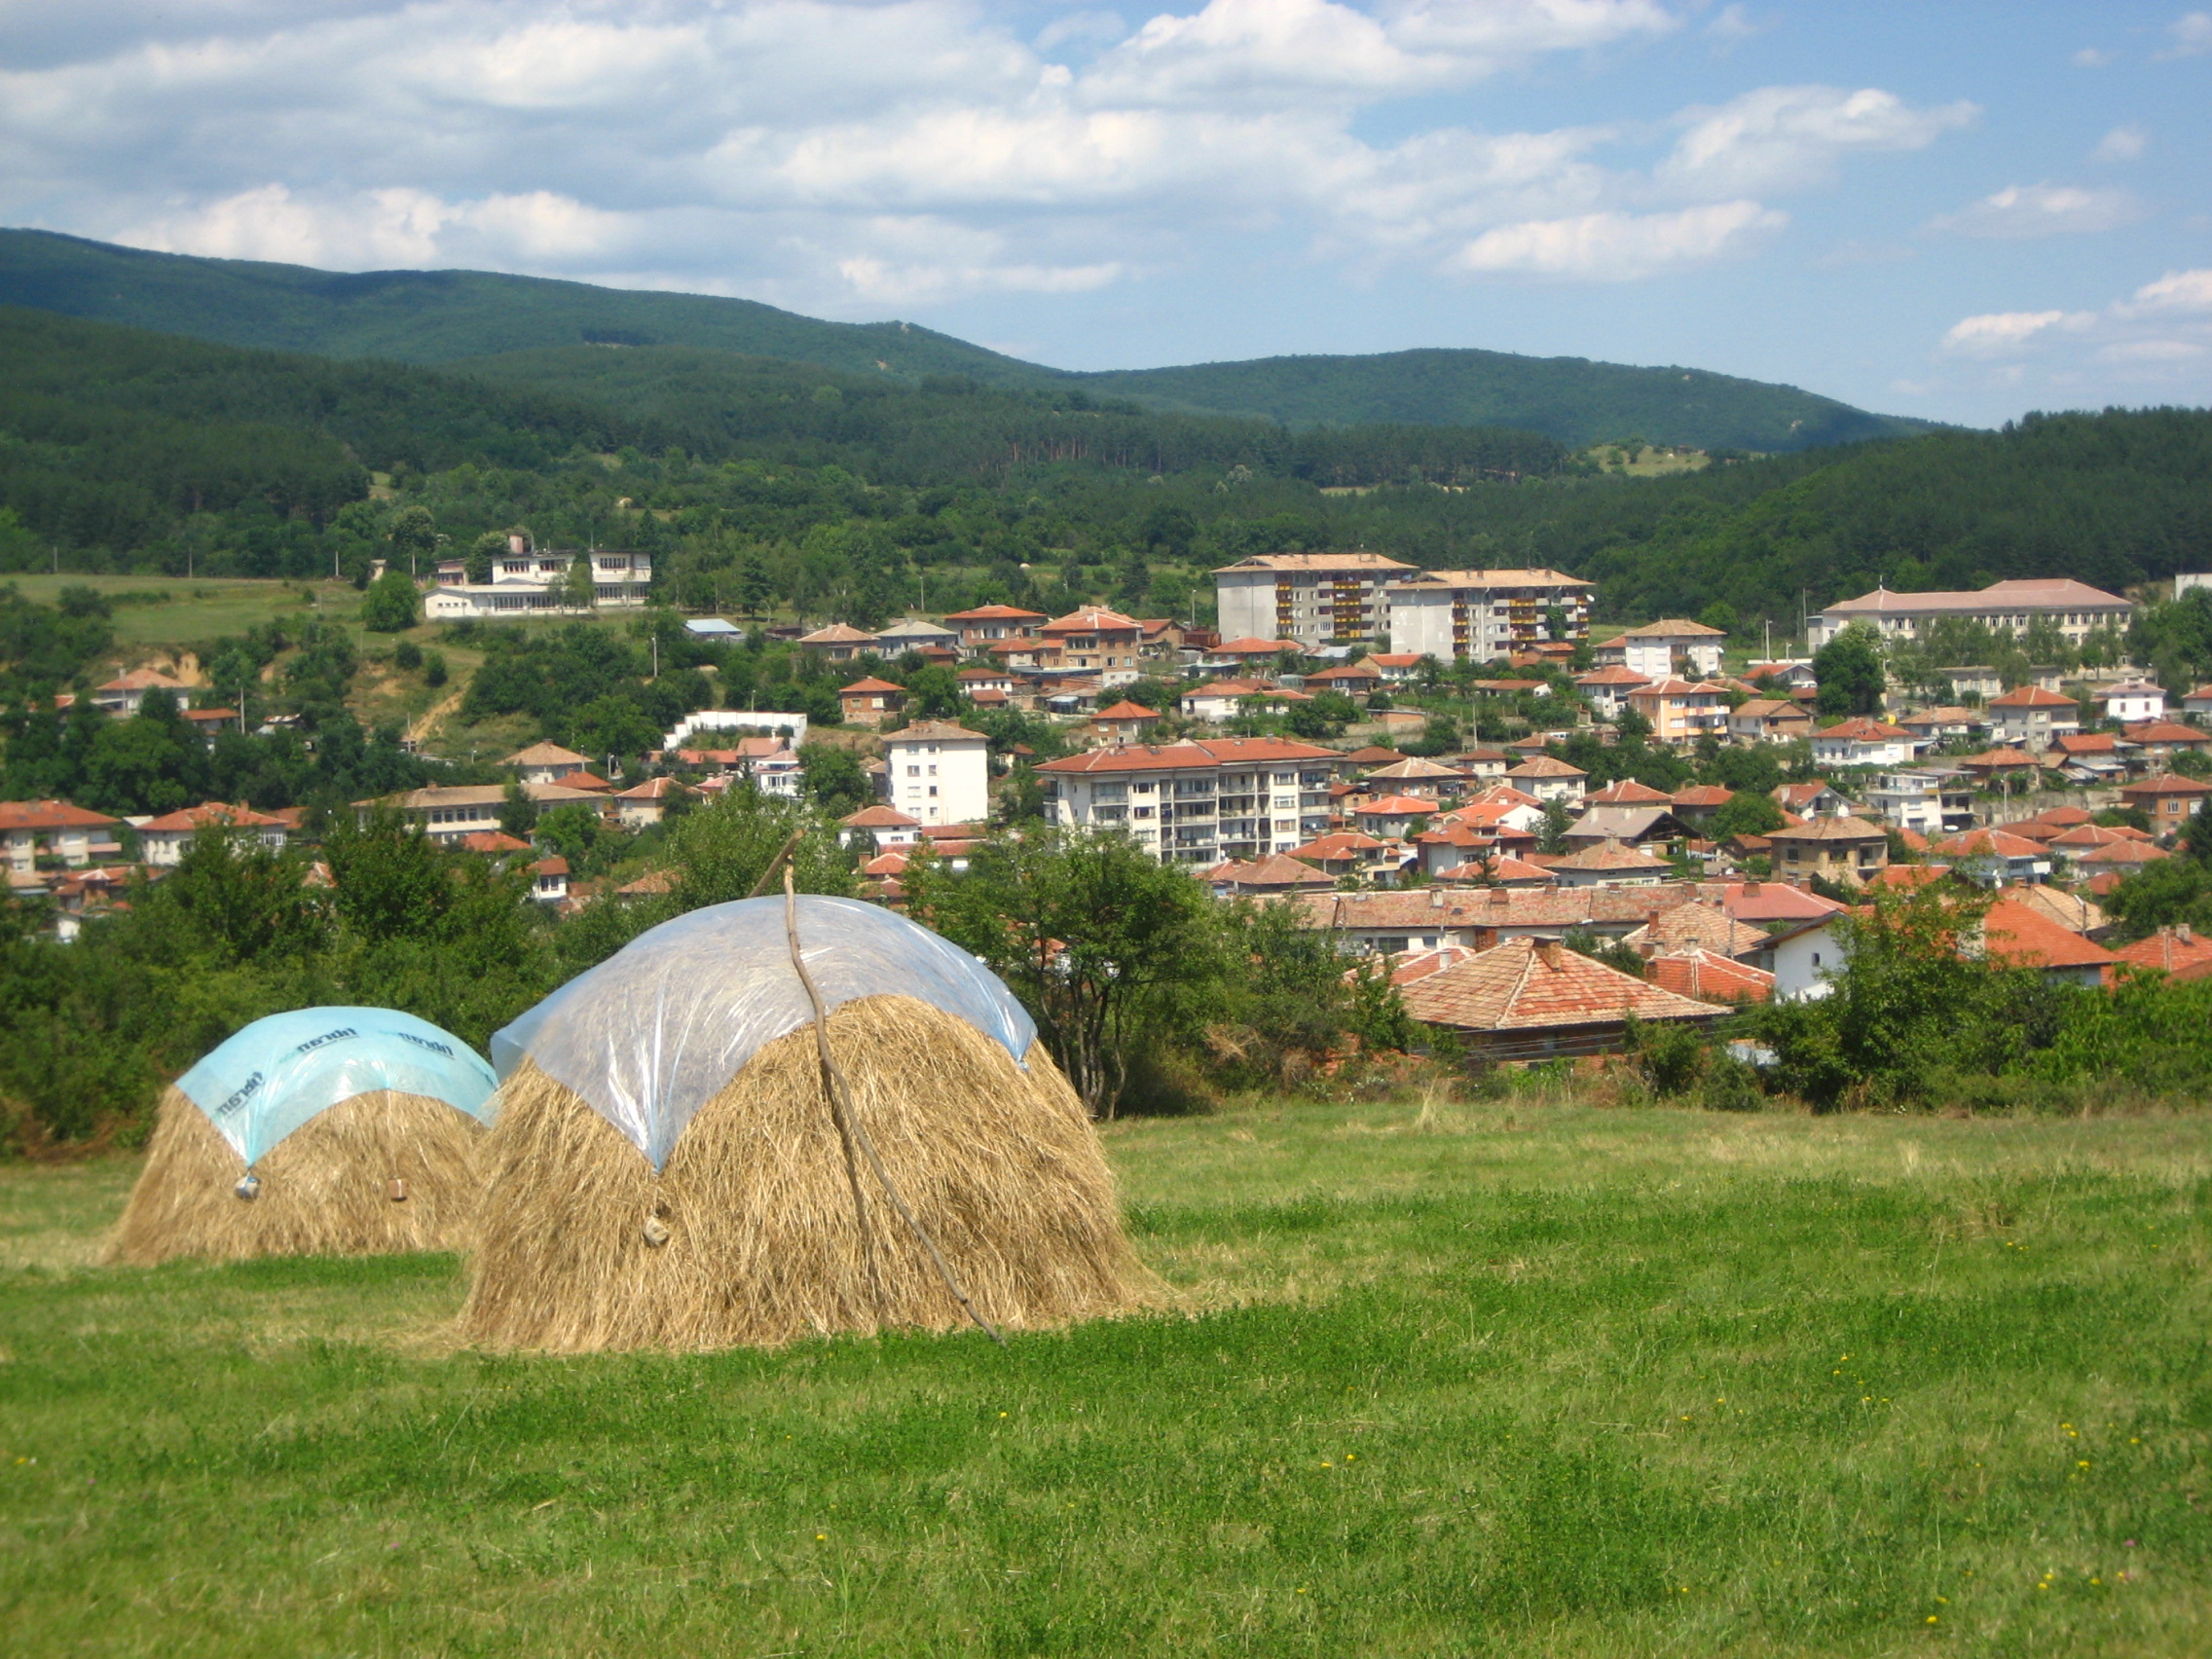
442	317
1573	399
836	494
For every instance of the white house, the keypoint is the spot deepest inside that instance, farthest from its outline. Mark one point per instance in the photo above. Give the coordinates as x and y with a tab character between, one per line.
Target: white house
164	841
1806	958
2132	700
1928	800
938	772
529	581
791	728
1864	742
1660	651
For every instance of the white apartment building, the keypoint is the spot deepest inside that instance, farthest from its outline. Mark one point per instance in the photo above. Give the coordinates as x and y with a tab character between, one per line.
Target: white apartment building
1929	801
1235	797
1483	614
937	772
1670	647
2076	608
529	581
1313	598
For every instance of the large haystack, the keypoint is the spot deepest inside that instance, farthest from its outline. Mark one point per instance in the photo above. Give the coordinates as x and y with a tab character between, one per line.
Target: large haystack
746	1233
325	1190
325	1131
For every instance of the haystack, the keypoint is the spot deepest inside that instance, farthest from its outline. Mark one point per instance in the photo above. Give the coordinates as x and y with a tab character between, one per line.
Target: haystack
667	1169
326	1131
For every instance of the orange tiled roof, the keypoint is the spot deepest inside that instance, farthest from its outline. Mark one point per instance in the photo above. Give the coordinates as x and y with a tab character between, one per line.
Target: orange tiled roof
1528	986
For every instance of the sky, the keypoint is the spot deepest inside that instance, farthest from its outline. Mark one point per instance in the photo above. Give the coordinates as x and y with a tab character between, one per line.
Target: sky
1963	211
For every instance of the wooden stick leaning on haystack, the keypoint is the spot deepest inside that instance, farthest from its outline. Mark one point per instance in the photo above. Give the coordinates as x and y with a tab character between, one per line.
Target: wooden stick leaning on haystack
747	1234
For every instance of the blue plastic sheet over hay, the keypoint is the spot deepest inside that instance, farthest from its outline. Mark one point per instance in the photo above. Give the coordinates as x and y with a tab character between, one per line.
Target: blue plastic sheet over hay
277	1073
658	1029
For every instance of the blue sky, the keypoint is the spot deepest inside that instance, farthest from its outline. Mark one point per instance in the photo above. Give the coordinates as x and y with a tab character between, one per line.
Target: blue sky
1963	211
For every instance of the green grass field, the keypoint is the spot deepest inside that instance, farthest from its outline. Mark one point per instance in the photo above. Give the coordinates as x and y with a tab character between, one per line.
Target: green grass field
1507	1379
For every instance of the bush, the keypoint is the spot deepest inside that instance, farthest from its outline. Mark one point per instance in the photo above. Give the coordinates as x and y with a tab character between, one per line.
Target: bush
434	669
406	656
1669	1054
392	604
1730	1086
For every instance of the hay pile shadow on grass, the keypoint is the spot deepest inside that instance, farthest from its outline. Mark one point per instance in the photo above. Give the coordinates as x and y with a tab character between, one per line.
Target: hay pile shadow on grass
325	1187
1000	1165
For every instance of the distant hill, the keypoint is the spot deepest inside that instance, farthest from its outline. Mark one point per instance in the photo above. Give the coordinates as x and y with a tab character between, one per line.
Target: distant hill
442	317
1572	400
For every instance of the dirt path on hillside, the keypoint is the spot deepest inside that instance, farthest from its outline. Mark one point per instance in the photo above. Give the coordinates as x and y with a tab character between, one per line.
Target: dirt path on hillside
435	715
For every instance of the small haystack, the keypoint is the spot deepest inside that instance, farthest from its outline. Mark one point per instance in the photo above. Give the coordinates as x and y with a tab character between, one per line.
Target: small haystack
669	1169
326	1131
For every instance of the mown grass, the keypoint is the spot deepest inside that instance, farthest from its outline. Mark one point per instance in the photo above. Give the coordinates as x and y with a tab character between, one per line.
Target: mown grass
1463	1380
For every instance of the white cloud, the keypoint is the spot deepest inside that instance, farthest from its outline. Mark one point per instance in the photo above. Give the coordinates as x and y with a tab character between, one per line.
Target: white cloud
2187	293
2093	57
2190	35
1732	25
2001	334
2159	338
2020	211
848	154
1788	137
1618	247
2122	144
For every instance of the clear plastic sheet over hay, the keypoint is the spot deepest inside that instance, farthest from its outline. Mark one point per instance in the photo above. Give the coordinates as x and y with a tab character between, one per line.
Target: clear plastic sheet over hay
748	1236
657	1030
271	1078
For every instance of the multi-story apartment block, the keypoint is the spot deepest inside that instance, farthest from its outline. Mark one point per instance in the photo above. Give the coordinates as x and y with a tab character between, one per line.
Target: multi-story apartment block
938	772
2076	608
1199	803
529	581
1483	614
1313	598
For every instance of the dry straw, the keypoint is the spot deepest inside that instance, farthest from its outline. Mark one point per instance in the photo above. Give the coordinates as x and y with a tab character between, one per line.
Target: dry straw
330	1187
748	1234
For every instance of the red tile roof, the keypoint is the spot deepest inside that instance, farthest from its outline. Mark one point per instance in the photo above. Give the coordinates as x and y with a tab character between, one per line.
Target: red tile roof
1990	843
2032	697
1531	985
878	818
870	683
2129	854
2166	785
1125	709
996	614
1628	792
1544	766
208	813
48	815
2168	950
1191	755
492	842
1091	620
1396	806
1709	977
2165	731
2019	938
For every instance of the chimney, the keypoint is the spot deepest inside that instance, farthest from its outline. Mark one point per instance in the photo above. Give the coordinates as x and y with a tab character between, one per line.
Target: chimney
2183	933
1752	887
1549	950
1500	896
517	544
1436	898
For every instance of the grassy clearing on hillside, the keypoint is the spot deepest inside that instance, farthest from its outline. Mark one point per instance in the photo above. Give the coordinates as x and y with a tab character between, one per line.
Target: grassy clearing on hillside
1501	1379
